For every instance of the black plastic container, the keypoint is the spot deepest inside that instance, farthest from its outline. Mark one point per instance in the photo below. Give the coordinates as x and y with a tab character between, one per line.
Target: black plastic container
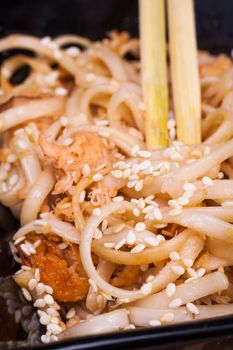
93	18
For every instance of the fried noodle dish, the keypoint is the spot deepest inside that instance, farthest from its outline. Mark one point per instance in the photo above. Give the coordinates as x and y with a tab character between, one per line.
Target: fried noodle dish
113	236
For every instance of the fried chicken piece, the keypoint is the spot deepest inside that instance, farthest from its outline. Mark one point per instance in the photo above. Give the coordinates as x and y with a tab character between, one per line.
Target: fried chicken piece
60	269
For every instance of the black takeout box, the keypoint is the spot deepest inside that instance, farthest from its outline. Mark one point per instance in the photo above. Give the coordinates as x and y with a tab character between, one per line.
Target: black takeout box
93	19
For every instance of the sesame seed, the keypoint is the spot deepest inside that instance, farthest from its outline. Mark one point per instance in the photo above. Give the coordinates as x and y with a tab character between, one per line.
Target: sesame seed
183	200
45	339
206	150
104	134
170	289
60	91
82	196
118	228
178	270
25	249
139	185
68	141
22	144
73	51
20	239
136	212
48	299
135	150
93	285
32	283
98	234
191	272
175	212
104	224
52	312
130	238
144	154
26	294
146	288
157	214
188	262
138	248
174	256
118	199
97	177
207	181
44	319
200	272
37	243
40	288
220	175
96	212
54	328
90	77
126	173
64	121
86	170
160	238
48	289
71	313
152	241
102	122
175	303
120	244
150	278
167	318
188	186
192	308
140	226
117	174
174	204
109	245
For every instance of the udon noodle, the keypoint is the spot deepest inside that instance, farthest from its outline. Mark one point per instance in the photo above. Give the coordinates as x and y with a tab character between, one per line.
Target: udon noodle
113	236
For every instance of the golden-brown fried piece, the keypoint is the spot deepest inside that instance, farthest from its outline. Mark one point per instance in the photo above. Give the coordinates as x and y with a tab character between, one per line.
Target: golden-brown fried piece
127	277
217	67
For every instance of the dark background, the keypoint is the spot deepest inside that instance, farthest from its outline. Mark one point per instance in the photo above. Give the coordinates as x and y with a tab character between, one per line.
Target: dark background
93	18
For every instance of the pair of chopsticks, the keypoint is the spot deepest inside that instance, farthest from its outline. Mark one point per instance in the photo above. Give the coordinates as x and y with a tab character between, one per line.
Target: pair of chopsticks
184	70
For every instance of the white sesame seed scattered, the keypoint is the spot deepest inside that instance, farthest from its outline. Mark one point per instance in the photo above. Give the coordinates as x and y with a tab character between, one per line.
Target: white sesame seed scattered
160	238
120	244
146	288
86	170
174	204
175	303
90	77
93	285
140	226
167	318
96	212
154	323
157	214
170	289
188	186
174	256
109	245
151	241
25	249
45	339
54	328
207	181
139	185
130	238
118	199
37	243
73	51
136	212
48	289
135	150
98	234
188	262
71	313
220	175
32	283
44	319
104	225
200	272
48	299
150	278
227	204
97	177
175	212
68	141
105	134
26	294
178	270
102	122
64	121
138	248
11	158
117	174
118	228
52	312
191	272
183	201
40	288
192	308
82	196
60	91
22	144
144	154
20	239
